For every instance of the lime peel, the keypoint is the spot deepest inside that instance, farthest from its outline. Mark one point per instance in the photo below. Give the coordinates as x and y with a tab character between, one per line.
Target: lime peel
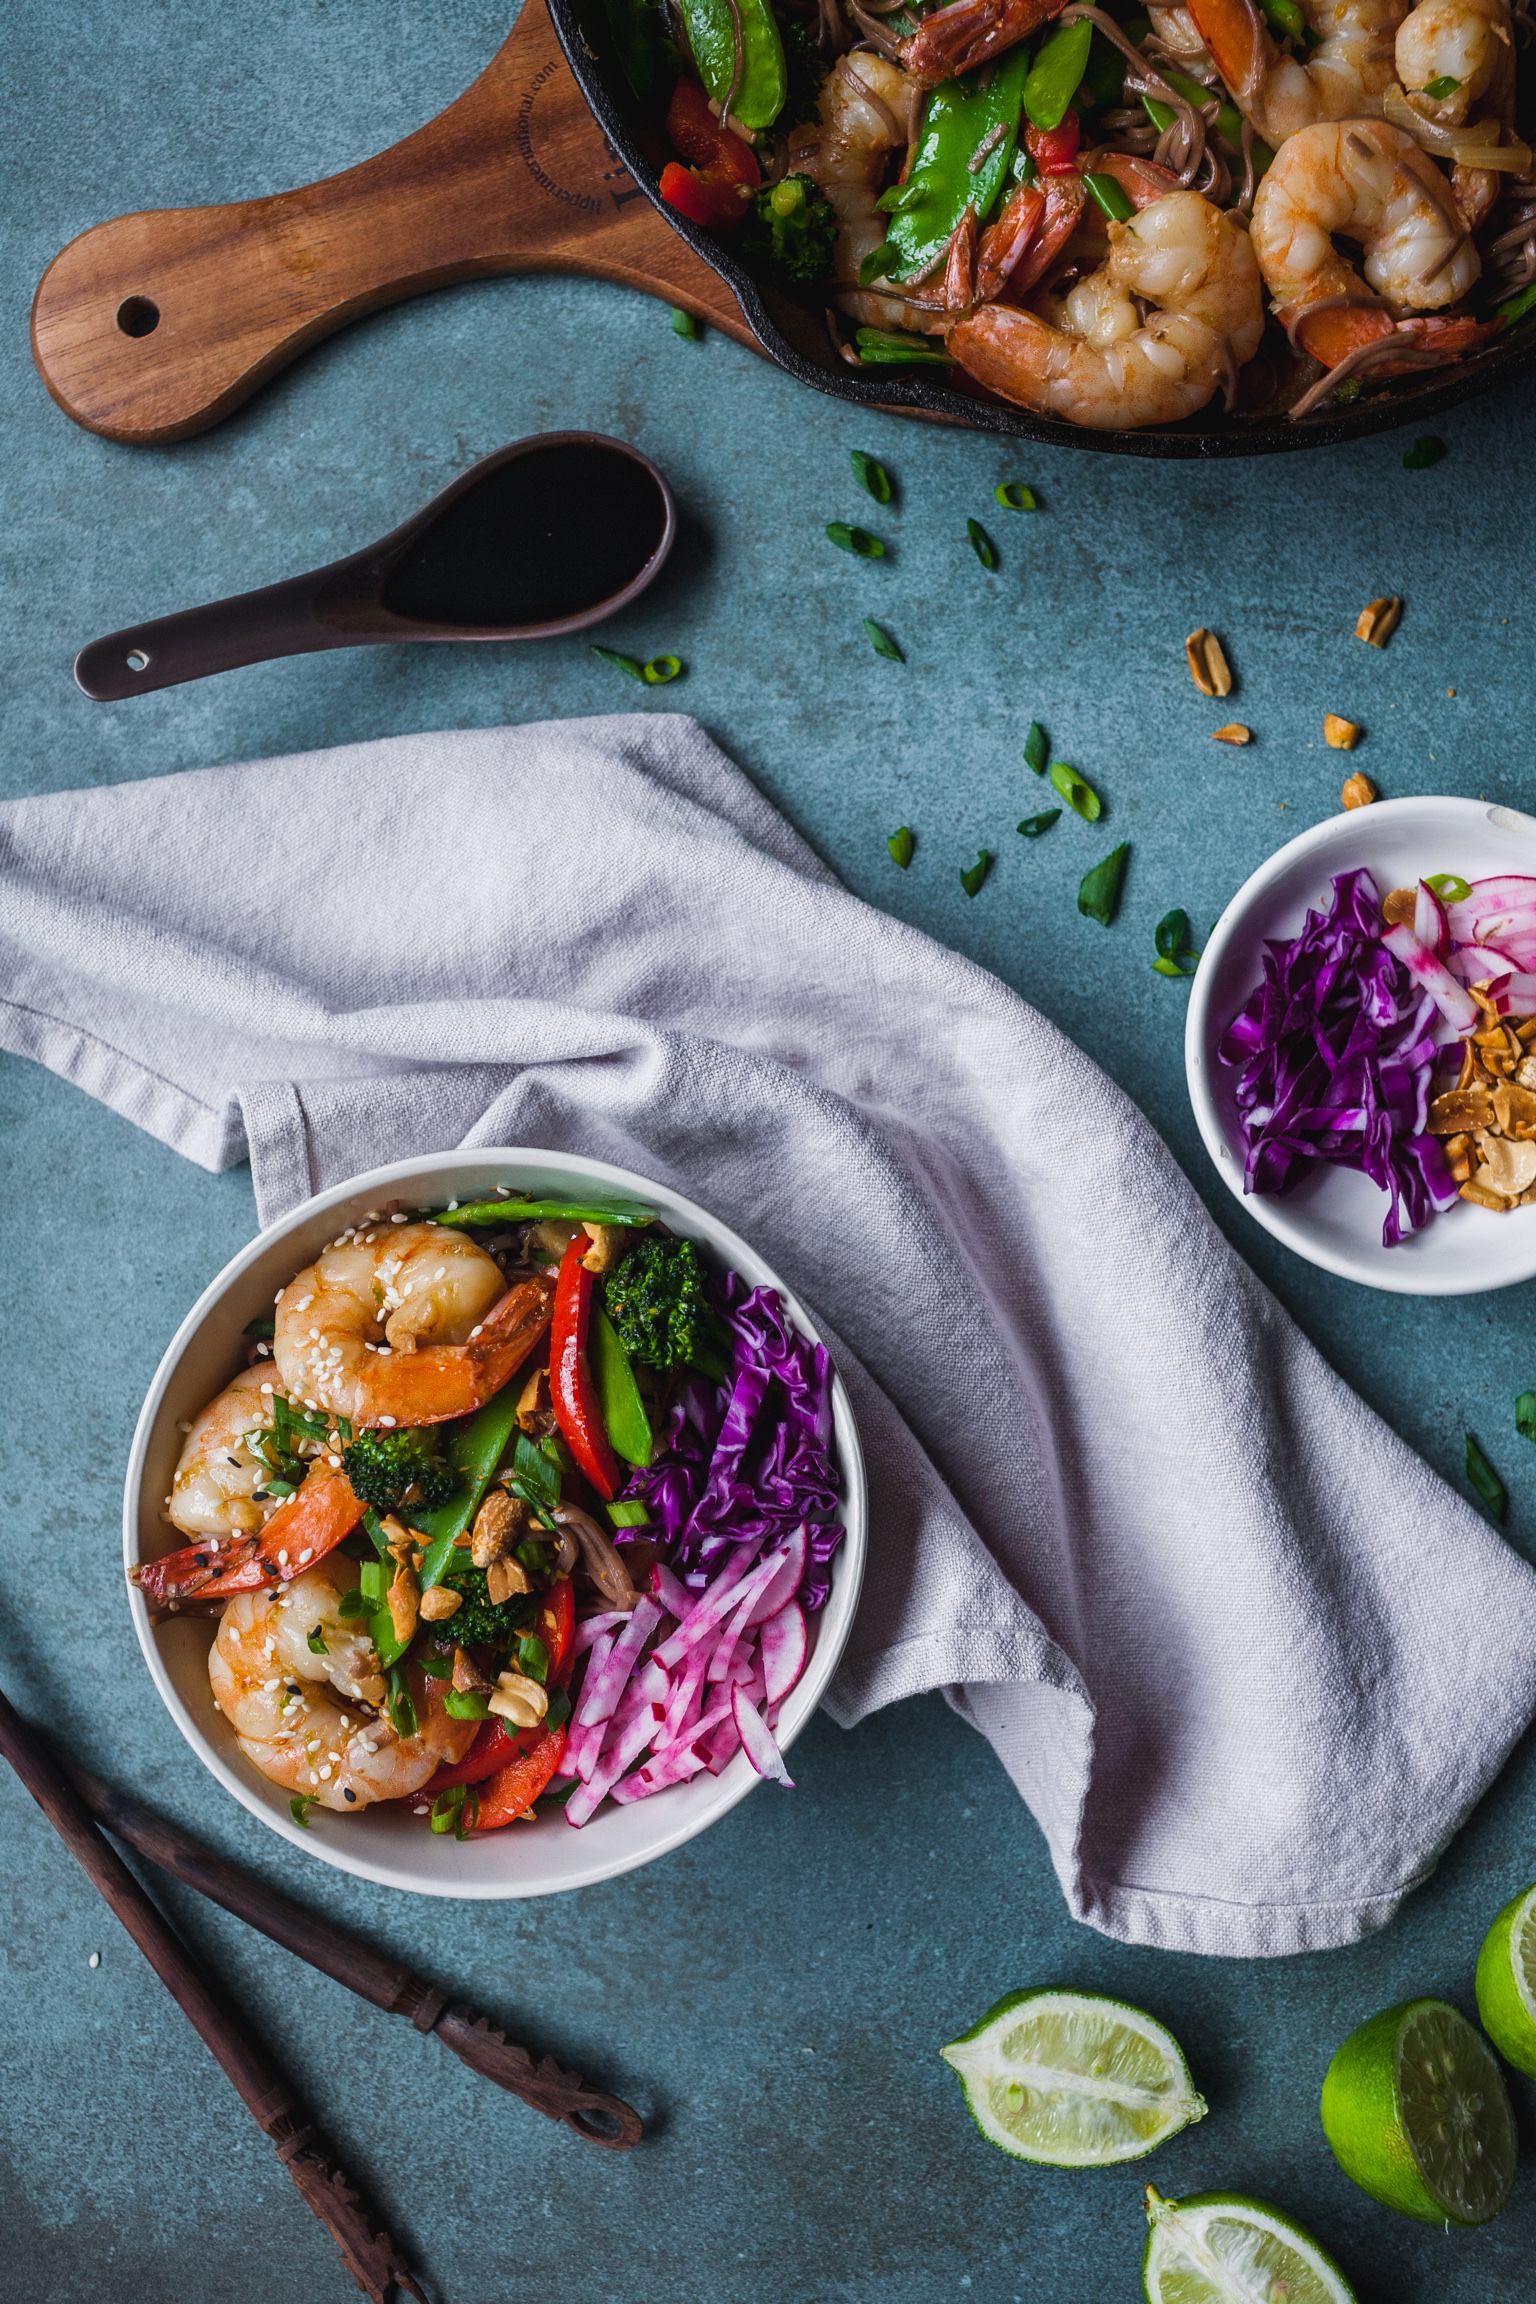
1216	2247
1073	2079
1506	1982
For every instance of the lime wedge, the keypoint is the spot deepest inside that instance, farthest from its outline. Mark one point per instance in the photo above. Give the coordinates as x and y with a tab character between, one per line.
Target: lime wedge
1415	2109
1073	2078
1506	1982
1217	2247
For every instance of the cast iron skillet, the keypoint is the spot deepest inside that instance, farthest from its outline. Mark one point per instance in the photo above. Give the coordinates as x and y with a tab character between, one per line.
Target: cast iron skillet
797	339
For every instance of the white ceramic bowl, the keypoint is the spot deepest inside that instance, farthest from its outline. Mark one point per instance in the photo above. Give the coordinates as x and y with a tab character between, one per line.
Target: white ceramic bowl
1334	1216
386	1843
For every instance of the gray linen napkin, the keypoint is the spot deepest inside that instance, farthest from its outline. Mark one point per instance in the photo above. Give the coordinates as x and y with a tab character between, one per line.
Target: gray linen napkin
1247	1660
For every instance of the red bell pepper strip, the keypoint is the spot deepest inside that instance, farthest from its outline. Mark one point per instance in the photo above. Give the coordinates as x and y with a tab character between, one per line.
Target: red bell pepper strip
300	1532
516	1787
725	174
497	1745
572	1391
1054	150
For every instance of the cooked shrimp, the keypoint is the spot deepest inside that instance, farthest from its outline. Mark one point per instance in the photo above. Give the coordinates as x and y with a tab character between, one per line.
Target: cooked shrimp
1369	181
1469	42
405	1324
214	1489
1101	366
1178	35
1343	78
970	33
306	1718
865	114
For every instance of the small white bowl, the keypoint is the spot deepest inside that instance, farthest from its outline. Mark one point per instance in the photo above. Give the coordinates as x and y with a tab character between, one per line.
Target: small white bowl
386	1843
1334	1216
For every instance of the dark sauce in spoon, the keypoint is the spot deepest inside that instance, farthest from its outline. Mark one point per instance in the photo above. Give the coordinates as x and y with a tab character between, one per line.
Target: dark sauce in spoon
543	537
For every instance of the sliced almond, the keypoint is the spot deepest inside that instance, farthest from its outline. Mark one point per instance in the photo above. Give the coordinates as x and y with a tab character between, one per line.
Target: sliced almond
1358	791
1208	666
1379	620
1342	734
1233	733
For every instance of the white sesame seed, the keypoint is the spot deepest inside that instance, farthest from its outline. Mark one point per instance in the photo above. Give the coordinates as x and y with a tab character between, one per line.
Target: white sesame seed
94	1960
182	1425
314	1779
397	1219
451	1206
474	1332
334	1463
388	1421
441	1273
266	1387
405	1291
282	1559
308	1553
325	1772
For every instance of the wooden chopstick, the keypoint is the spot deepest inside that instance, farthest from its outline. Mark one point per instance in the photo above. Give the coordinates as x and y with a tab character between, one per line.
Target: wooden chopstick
371	2257
560	2095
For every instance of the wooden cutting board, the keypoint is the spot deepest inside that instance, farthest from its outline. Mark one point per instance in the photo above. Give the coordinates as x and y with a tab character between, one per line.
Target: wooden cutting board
155	326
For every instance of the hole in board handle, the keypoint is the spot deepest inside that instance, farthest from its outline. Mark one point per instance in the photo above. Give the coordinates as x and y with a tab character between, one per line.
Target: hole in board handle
136	660
137	316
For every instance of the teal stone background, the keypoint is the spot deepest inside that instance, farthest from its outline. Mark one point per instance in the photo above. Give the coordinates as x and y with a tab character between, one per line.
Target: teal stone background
772	1997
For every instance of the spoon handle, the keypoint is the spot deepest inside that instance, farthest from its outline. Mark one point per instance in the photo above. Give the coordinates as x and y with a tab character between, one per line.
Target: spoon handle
152	327
250	628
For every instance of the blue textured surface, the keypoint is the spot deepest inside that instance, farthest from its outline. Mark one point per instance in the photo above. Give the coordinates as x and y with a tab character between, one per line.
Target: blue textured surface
772	1997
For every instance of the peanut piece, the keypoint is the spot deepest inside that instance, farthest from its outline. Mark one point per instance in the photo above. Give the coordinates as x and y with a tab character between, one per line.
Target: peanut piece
504	1579
1399	908
468	1678
404	1602
1342	734
1358	792
609	1242
1233	733
1208	666
440	1603
535	1412
1379	620
498	1525
520	1700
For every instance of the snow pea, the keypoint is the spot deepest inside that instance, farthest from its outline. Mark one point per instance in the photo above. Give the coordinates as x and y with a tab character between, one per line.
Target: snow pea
482	1215
629	1427
764	81
474	1451
941	185
1060	65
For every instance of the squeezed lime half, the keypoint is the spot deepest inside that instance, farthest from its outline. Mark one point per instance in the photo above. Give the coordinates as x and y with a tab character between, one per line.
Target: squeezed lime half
1073	2079
1415	2108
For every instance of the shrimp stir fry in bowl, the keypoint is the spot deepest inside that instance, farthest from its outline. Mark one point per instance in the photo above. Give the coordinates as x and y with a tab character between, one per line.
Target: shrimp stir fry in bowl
1110	214
517	1502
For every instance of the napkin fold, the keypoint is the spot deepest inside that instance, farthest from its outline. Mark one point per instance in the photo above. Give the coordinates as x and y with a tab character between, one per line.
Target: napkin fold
1248	1661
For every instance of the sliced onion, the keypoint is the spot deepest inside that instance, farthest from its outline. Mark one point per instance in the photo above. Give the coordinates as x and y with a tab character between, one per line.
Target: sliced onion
1454	1002
1470	146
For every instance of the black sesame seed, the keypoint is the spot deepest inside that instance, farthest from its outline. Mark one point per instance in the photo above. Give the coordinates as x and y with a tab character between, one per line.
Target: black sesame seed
347	1792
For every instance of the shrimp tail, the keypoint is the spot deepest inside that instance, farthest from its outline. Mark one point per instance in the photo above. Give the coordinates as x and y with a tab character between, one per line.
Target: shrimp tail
1238	42
299	1533
1332	335
1005	243
445	1381
970	32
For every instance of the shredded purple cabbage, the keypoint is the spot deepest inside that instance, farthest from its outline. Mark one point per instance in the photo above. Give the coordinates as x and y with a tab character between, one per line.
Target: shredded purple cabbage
1332	1059
750	1460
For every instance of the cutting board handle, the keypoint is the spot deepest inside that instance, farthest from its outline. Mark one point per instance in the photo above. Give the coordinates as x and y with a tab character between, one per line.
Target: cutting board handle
154	326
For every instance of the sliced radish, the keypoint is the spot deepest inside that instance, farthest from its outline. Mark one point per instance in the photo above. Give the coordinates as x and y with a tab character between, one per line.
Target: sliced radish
591	1630
786	1642
723	1598
787	1582
1453	1000
607	1677
1429	921
671	1591
757	1742
1475	963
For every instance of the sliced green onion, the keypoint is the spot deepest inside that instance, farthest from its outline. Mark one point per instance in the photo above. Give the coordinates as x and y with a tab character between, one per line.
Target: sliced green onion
1169	968
449	1810
972	877
263	1330
299	1807
1348	392
888	348
878	263
857	540
1424	453
1449	887
559	1710
1438	90
1014	496
881	641
467	1704
315	1643
660	669
1076	793
630	664
1525	1415
1055	73
352	1605
871	476
901	844
1099	896
1172	934
1033	826
1111	197
1517	307
533	1657
684	324
1037	748
981	544
402	1708
1287	19
633	1514
1485	1480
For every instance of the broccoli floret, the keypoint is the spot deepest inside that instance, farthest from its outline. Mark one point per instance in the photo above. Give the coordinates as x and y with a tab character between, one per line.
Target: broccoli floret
657	1301
480	1621
386	1468
792	230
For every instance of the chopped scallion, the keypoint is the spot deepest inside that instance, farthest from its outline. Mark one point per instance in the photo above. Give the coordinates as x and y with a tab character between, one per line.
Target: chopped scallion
1033	826
1173	946
878	262
901	844
1449	887
972	877
1424	453
467	1704
881	641
1099	896
1438	90
889	348
981	544
559	1710
630	664
1525	1415
660	669
1077	794
1485	1480
299	1807
1037	748
315	1643
1014	496
684	324
1114	201
871	476
857	540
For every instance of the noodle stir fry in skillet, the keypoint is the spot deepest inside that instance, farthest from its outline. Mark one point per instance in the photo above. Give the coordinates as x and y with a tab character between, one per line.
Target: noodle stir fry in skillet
1102	214
516	1502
